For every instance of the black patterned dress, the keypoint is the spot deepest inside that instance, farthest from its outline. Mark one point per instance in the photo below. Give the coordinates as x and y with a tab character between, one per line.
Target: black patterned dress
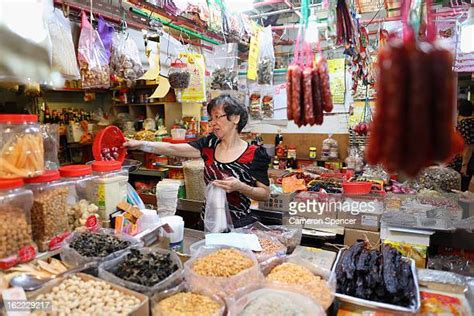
250	167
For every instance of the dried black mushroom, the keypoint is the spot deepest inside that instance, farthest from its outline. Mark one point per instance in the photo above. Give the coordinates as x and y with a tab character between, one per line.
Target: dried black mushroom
224	79
265	71
146	269
89	244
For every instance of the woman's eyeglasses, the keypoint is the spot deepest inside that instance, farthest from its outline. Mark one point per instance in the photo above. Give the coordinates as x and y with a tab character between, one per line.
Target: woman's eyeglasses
216	118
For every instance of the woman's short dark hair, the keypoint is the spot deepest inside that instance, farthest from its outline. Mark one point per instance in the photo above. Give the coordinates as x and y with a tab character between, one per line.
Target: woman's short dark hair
464	107
231	107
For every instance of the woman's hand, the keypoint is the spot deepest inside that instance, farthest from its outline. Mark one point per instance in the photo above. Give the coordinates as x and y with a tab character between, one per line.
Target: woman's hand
230	184
133	144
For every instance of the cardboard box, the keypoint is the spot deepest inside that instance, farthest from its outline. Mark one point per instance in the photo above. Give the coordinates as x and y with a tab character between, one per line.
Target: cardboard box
277	202
363	221
142	310
319	257
352	235
406	235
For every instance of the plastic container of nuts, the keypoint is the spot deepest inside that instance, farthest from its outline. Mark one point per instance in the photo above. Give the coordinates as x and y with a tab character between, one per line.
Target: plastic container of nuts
15	223
50	205
21	146
109	187
221	270
82	294
180	300
81	195
301	276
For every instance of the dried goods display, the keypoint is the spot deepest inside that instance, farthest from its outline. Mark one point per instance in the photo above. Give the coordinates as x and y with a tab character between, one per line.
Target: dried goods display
146	269
255	106
49	214
15	230
41	269
439	304
265	71
80	212
381	276
92	57
267	106
438	178
189	304
77	296
224	79
179	79
415	96
221	271
222	263
271	302
90	244
179	75
125	60
22	156
302	278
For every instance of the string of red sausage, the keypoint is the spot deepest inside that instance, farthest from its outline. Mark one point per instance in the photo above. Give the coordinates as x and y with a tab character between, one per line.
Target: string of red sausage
308	93
413	126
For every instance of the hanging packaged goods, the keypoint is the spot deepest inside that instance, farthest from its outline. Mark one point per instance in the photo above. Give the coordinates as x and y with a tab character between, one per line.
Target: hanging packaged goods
92	57
416	103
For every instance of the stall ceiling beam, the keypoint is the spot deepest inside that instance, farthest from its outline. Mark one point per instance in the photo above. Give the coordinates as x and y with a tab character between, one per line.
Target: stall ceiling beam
174	26
108	11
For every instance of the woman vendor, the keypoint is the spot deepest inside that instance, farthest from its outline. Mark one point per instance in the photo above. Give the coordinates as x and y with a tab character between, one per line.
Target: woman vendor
230	162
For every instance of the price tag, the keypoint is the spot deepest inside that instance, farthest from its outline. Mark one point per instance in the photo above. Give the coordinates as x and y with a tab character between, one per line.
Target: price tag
7	263
57	241
254	50
26	254
92	223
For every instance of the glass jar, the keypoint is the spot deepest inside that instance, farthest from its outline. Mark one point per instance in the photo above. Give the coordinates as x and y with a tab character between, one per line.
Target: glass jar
21	143
312	153
110	187
291	152
81	197
330	148
179	75
50	206
15	220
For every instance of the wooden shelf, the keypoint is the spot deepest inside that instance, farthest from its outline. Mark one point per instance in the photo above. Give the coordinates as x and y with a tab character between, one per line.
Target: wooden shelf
145	104
77	90
150	172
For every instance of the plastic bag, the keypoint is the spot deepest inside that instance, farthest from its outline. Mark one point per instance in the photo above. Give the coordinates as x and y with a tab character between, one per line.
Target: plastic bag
217	217
107	269
272	300
51	146
439	178
92	57
72	258
223	65
255	106
125	60
63	51
215	17
221	286
271	246
106	32
442	281
157	310
288	236
266	57
325	299
167	197
194	179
